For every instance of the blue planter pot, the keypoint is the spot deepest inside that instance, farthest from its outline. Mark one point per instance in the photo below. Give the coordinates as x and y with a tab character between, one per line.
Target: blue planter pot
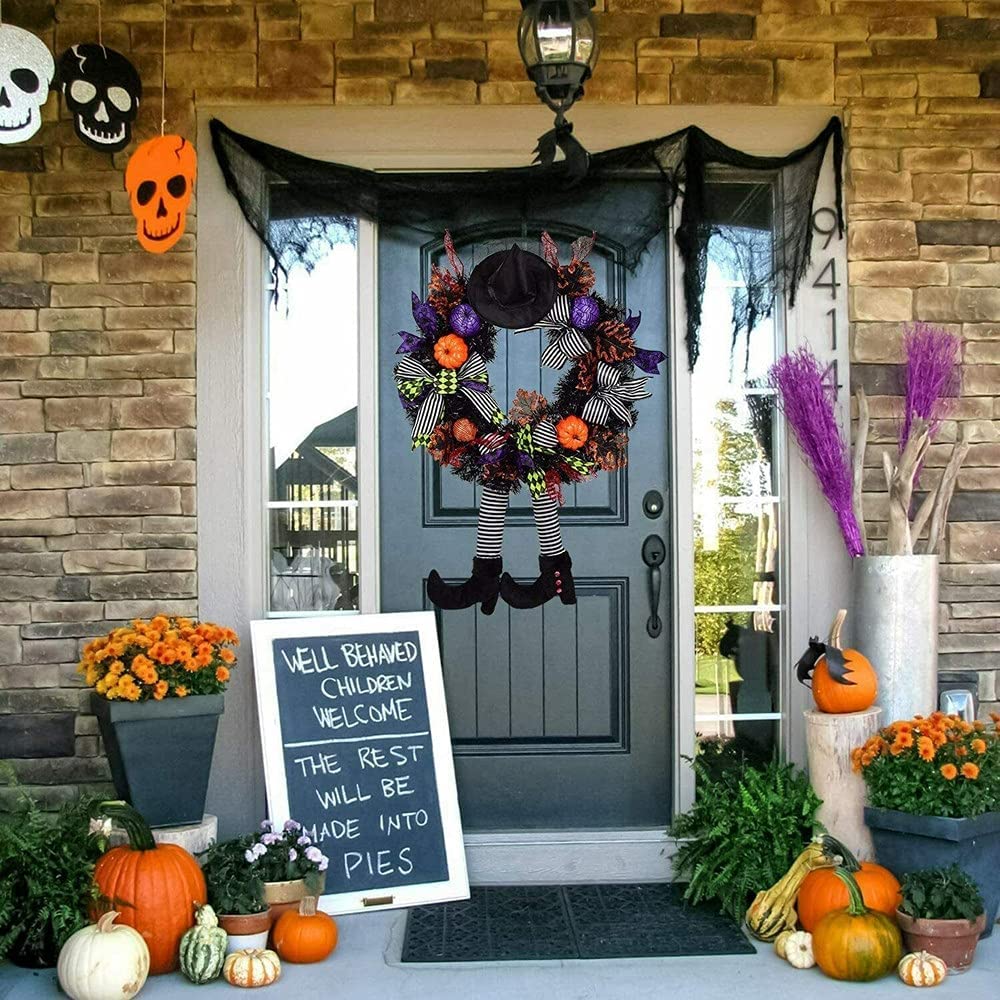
160	753
906	843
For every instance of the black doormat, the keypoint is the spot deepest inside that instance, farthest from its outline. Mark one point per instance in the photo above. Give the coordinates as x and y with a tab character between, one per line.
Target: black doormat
537	922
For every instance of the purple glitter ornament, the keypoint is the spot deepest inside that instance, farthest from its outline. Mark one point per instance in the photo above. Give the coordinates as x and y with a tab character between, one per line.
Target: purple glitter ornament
806	393
424	314
584	312
464	320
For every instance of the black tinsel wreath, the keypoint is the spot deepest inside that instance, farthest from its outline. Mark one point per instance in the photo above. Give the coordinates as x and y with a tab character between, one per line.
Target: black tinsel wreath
444	385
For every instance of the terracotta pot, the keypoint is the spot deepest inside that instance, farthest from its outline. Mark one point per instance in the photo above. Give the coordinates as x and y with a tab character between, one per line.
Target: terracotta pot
245	930
953	941
281	896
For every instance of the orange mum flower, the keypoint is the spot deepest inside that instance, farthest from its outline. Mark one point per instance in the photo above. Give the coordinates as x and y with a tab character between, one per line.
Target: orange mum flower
979	745
961	752
181	691
905	739
949	771
222	674
160	690
925	748
970	771
227	656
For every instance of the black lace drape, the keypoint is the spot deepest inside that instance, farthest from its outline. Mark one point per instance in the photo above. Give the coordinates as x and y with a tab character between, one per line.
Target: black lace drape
300	206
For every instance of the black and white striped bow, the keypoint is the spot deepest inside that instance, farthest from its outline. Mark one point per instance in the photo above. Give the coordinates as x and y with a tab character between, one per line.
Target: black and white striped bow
417	384
565	342
613	396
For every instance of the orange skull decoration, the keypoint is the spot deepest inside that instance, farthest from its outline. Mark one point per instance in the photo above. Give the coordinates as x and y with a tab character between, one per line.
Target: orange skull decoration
160	179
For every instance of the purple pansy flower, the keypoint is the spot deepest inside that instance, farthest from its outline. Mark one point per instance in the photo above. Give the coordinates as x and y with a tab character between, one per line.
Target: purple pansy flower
265	824
424	314
291	826
292	854
270	839
584	312
249	855
649	361
303	841
314	854
464	320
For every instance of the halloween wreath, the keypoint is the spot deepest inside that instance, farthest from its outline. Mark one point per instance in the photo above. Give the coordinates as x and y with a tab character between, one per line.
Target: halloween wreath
443	384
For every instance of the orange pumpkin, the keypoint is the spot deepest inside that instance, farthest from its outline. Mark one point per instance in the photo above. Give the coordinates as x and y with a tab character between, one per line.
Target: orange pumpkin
153	886
822	892
305	935
859	688
450	351
856	944
572	433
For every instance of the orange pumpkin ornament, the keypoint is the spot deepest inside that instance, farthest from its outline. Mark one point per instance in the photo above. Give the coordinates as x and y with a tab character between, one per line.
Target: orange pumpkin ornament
305	935
160	178
572	432
450	351
153	886
822	891
842	680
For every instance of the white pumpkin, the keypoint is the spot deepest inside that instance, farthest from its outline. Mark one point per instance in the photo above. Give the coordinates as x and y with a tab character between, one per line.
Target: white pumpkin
252	967
103	960
920	968
799	950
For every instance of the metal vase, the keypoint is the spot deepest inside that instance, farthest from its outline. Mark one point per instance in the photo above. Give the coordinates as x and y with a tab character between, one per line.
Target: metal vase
895	624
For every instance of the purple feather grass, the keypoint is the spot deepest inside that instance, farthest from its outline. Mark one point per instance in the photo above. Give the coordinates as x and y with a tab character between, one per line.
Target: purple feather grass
932	376
806	393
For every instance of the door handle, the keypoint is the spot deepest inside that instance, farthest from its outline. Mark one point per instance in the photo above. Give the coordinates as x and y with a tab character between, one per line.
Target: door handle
654	552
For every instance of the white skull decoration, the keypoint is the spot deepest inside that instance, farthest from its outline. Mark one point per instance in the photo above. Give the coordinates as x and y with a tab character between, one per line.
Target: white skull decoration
160	181
26	71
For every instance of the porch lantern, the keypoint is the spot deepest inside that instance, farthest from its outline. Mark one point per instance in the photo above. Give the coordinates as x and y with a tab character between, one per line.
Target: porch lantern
558	43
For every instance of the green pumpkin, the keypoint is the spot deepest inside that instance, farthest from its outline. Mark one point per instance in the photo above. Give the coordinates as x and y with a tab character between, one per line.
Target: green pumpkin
203	947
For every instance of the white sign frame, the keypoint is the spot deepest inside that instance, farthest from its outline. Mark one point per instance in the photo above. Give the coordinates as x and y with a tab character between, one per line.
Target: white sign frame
263	632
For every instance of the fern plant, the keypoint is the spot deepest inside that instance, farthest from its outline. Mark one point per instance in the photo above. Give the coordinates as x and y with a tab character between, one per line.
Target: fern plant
46	879
748	824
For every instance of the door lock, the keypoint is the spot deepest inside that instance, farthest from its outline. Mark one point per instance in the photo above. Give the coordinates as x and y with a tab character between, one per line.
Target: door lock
654	552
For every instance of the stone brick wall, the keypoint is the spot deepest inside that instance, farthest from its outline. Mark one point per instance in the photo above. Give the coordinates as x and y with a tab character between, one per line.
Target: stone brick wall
97	405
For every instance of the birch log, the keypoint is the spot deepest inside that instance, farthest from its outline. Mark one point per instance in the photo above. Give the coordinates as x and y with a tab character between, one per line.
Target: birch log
829	742
860	446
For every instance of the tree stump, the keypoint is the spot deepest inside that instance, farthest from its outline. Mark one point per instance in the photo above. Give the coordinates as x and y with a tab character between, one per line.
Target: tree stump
829	742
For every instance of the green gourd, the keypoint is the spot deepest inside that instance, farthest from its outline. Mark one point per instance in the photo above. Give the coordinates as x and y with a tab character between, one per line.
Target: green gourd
203	947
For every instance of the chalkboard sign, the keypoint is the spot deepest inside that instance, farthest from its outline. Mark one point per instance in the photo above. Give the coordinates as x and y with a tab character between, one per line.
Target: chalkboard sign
356	748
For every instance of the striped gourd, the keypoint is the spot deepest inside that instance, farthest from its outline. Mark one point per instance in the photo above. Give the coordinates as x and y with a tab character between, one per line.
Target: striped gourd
203	947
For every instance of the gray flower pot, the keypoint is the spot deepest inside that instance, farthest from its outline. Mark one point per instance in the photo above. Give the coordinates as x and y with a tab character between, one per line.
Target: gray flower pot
906	843
160	753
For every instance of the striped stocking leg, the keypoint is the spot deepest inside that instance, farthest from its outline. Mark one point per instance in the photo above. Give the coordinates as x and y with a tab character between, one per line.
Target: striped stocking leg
546	512
483	586
555	577
489	530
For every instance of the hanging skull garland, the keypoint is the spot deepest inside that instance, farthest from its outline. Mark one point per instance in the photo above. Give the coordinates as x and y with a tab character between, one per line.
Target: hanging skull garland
102	91
26	71
160	181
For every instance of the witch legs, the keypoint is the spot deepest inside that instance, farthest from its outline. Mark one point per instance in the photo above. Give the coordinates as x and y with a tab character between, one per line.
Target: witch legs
555	577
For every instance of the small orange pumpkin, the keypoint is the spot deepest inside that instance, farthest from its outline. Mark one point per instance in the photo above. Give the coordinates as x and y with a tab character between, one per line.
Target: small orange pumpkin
450	351
306	935
572	432
822	892
850	689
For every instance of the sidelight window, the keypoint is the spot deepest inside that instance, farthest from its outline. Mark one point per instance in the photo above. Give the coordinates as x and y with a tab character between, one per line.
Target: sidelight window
311	418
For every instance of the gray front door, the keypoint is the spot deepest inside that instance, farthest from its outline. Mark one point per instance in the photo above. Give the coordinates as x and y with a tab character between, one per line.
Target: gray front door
560	716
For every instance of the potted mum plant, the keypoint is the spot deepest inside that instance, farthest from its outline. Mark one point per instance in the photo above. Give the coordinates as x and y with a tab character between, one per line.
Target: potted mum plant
942	913
290	865
157	694
236	893
934	798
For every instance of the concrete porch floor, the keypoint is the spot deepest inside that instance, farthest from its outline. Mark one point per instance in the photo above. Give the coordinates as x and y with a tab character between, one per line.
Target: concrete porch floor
366	967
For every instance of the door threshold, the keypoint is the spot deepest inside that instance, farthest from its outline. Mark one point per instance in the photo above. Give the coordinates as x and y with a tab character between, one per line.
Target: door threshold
538	857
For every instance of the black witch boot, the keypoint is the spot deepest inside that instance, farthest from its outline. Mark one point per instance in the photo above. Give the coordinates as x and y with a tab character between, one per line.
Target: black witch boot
483	587
555	580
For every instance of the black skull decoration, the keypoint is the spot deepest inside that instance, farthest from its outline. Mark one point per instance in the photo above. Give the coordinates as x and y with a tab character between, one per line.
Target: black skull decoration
102	91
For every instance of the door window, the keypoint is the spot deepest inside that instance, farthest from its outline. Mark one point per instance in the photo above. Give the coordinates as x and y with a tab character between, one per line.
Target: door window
739	496
311	419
